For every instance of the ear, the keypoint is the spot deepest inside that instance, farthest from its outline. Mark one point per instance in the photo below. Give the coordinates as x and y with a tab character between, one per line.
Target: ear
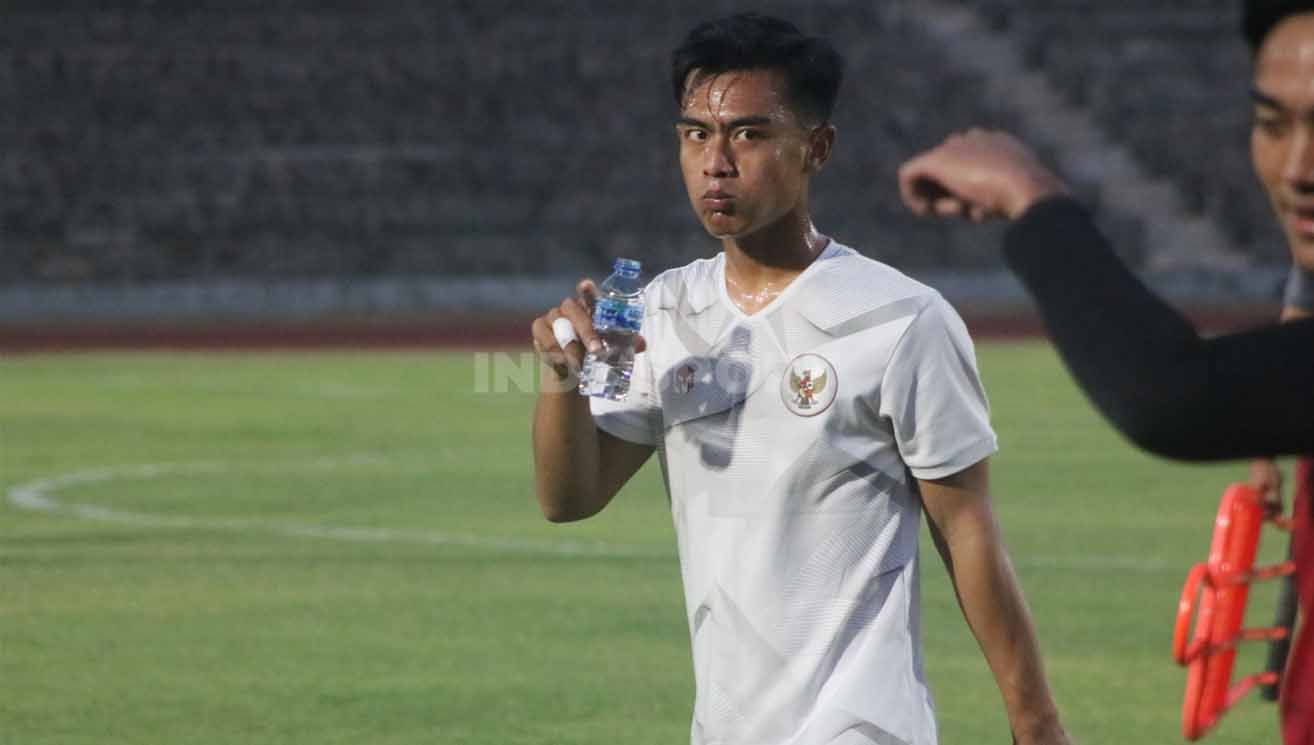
821	142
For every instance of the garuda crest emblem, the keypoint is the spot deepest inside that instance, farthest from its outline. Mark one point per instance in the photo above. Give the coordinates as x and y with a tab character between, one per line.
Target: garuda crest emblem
808	385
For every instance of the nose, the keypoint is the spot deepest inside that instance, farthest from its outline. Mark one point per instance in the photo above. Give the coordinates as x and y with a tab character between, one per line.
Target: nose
718	161
1298	171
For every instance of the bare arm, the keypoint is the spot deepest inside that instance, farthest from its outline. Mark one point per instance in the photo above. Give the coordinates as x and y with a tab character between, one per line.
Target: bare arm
578	468
963	525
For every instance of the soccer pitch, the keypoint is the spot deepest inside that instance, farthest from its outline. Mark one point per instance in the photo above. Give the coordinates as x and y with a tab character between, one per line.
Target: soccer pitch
344	548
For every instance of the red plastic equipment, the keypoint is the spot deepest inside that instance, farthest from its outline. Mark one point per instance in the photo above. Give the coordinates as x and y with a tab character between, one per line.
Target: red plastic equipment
1215	594
1297	701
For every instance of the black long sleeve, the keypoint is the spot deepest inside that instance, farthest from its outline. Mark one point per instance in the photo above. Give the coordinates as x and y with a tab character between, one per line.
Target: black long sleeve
1145	367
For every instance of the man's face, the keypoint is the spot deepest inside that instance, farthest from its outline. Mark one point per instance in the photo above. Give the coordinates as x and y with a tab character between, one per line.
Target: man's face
1282	140
745	156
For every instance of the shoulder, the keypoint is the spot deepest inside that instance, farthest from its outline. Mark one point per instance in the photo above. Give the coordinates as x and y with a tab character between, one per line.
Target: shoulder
845	266
846	285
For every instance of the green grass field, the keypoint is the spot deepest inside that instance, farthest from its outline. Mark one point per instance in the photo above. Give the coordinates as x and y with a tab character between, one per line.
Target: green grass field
344	548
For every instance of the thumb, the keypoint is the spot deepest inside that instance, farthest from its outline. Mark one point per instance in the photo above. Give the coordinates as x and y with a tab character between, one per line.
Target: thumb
587	292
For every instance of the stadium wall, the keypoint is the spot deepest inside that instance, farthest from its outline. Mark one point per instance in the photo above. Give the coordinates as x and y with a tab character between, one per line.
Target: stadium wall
471	311
310	299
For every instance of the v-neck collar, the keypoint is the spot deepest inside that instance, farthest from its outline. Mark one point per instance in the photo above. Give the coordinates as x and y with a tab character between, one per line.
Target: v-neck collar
832	248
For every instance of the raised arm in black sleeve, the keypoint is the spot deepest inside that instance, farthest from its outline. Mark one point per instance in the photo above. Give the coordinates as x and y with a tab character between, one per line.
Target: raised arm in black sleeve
1143	364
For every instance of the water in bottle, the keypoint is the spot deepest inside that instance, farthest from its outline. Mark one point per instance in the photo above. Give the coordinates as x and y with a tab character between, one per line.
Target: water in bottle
616	319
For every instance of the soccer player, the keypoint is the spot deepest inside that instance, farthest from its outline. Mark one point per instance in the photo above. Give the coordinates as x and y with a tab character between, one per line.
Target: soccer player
1142	364
806	404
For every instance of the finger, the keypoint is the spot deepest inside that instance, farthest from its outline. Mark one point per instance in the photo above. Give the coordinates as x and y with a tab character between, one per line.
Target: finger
914	186
572	351
545	344
924	188
1265	475
1273	497
545	341
981	213
564	331
587	292
581	319
640	344
949	207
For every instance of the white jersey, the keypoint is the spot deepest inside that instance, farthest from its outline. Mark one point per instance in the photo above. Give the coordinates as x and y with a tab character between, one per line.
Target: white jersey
786	439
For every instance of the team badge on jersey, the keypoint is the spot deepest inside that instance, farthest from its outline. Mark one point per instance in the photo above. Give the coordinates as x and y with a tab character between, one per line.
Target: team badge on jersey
809	384
685	378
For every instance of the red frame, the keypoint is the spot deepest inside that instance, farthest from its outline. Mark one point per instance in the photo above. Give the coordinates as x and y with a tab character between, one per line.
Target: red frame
1215	594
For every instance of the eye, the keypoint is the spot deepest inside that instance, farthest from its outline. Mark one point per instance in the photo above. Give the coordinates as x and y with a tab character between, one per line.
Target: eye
749	134
1269	125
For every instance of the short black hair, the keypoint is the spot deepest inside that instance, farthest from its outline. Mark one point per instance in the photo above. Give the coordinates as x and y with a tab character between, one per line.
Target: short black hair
1260	17
812	67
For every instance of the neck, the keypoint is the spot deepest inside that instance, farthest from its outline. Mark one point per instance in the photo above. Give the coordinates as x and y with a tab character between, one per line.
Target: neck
779	251
760	266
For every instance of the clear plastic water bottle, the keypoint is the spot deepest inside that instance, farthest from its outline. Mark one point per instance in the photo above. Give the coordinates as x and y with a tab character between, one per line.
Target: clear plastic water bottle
616	319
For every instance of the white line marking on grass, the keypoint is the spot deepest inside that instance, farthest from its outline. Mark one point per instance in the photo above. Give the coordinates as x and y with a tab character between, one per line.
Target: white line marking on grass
40	495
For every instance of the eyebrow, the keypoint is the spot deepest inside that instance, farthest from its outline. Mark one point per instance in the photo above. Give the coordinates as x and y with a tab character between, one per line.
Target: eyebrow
1269	102
1263	99
743	121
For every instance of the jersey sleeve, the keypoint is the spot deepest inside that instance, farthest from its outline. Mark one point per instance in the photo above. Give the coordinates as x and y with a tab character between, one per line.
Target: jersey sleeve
1143	364
636	419
933	398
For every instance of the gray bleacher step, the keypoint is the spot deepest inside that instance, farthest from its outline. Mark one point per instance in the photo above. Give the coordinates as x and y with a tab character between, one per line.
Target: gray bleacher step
1192	243
1174	236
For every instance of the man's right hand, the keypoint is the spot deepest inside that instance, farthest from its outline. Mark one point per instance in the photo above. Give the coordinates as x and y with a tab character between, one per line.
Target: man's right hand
565	362
578	467
1266	478
978	175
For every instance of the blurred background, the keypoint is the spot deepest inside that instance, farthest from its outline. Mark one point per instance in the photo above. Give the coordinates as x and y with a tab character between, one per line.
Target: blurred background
292	159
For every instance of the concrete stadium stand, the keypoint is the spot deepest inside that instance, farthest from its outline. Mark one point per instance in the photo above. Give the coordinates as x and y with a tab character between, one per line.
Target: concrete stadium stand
470	312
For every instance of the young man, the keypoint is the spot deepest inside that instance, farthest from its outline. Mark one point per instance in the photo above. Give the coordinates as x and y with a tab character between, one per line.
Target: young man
1142	364
806	404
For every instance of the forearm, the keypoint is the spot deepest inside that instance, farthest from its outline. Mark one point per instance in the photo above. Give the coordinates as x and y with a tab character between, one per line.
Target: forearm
1131	352
963	525
566	451
993	605
1142	363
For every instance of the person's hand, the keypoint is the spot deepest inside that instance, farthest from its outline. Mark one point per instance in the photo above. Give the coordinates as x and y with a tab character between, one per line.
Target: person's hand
1266	478
564	334
977	175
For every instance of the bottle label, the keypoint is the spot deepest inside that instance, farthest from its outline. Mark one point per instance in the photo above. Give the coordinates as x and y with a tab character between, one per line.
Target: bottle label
614	314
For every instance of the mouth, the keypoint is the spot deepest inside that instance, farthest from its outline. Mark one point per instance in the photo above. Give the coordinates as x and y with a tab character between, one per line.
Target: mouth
719	201
1301	218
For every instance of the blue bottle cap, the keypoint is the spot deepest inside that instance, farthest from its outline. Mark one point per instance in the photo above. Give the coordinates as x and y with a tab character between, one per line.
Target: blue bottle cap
628	268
